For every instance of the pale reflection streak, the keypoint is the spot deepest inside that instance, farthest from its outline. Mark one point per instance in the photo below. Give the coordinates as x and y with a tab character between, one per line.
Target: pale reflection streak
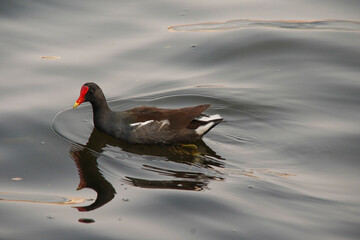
35	198
328	24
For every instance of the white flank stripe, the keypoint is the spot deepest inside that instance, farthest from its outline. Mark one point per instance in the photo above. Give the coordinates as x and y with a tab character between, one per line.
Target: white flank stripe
202	129
141	124
210	118
163	123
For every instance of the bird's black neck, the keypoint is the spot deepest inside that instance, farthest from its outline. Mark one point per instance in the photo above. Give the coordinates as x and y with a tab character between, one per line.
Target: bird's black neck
100	105
101	112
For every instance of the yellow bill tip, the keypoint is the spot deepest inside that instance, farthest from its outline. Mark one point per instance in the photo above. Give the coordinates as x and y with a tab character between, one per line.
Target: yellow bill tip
76	104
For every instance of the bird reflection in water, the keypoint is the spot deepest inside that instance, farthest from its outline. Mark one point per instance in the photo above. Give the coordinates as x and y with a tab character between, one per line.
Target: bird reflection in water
198	154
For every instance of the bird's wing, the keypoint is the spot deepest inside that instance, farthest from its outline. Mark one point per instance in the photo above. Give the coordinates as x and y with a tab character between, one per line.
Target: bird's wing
151	131
177	118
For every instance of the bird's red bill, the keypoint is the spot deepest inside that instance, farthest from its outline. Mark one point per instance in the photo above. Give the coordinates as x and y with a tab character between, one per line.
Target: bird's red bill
81	98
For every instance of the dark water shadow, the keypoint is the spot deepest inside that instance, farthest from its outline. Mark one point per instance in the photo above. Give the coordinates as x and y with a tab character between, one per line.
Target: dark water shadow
91	176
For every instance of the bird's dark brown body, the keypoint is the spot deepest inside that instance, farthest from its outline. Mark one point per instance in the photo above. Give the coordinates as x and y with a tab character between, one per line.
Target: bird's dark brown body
148	125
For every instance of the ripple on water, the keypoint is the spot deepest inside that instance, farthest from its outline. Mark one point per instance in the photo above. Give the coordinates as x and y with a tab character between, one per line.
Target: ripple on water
103	161
330	24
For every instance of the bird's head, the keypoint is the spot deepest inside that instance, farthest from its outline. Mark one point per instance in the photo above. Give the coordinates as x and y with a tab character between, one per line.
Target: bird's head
88	92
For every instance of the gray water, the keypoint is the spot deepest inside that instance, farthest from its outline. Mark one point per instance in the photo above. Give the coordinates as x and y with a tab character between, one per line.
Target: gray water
283	165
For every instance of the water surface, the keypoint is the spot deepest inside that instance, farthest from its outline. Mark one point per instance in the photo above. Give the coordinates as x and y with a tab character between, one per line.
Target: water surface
283	165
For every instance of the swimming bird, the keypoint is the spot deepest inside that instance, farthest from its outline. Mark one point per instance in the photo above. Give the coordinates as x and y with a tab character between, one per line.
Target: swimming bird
148	125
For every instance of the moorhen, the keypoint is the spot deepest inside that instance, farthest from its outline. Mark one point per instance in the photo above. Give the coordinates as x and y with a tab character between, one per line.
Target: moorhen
148	125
